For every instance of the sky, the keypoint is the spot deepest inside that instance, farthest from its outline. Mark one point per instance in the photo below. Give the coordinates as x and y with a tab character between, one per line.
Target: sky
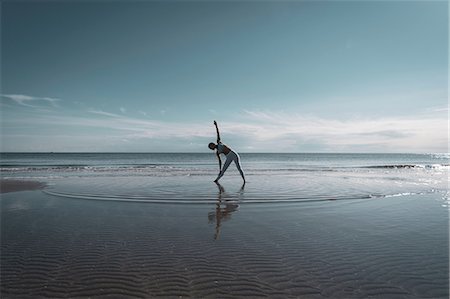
278	76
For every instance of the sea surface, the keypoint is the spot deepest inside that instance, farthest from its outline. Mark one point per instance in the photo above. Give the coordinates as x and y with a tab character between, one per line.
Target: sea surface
270	177
148	225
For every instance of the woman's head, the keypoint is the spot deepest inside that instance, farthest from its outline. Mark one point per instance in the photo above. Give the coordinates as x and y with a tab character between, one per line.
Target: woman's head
212	146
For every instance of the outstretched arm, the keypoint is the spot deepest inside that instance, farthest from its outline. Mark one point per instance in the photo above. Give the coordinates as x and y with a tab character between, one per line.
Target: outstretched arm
217	130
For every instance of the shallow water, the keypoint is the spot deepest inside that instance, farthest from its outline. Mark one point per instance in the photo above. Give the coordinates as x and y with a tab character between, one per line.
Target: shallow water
271	177
313	226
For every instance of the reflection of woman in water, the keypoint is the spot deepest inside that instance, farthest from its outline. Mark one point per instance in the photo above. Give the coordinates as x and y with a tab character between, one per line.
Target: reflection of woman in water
228	152
223	213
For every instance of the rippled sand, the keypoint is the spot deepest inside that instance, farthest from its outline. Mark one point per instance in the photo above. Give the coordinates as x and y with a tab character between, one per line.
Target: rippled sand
227	247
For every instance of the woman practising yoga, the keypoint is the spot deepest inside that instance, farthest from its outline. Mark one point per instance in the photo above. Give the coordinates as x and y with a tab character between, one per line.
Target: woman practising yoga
228	152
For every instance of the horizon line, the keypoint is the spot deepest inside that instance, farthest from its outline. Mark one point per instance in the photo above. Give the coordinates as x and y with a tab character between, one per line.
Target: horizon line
168	152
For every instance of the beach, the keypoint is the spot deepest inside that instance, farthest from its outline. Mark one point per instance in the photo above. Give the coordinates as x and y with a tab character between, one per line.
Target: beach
224	149
293	231
19	185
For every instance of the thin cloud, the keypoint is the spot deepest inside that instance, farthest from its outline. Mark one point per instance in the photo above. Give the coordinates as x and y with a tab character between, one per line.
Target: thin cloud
383	134
386	133
127	127
439	109
100	112
266	131
25	100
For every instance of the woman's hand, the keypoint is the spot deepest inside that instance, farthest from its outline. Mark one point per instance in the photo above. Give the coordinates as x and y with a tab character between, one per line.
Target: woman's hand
215	123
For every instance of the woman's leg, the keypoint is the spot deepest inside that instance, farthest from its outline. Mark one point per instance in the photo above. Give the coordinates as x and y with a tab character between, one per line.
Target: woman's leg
237	161
225	166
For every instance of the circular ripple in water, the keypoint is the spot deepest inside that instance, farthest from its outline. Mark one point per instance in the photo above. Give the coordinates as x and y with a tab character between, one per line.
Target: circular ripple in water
194	190
259	189
205	200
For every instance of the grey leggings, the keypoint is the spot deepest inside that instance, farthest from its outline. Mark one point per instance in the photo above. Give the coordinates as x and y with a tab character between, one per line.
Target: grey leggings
232	156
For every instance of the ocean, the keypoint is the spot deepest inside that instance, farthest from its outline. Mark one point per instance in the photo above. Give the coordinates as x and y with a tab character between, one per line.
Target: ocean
272	176
146	225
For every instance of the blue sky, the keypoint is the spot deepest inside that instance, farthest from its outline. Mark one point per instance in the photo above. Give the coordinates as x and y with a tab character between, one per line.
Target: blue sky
294	76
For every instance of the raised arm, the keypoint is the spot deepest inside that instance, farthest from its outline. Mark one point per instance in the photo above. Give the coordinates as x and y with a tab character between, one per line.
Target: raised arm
217	130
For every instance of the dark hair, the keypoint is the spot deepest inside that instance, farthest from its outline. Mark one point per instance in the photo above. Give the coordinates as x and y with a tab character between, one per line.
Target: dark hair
211	145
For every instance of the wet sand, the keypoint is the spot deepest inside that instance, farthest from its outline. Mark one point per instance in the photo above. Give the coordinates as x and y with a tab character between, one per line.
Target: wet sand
8	185
59	247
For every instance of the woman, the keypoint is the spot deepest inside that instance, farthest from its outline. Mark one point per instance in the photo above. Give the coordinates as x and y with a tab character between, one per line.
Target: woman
228	152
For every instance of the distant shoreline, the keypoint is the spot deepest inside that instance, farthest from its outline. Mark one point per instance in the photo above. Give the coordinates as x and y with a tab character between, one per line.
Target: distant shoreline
241	152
